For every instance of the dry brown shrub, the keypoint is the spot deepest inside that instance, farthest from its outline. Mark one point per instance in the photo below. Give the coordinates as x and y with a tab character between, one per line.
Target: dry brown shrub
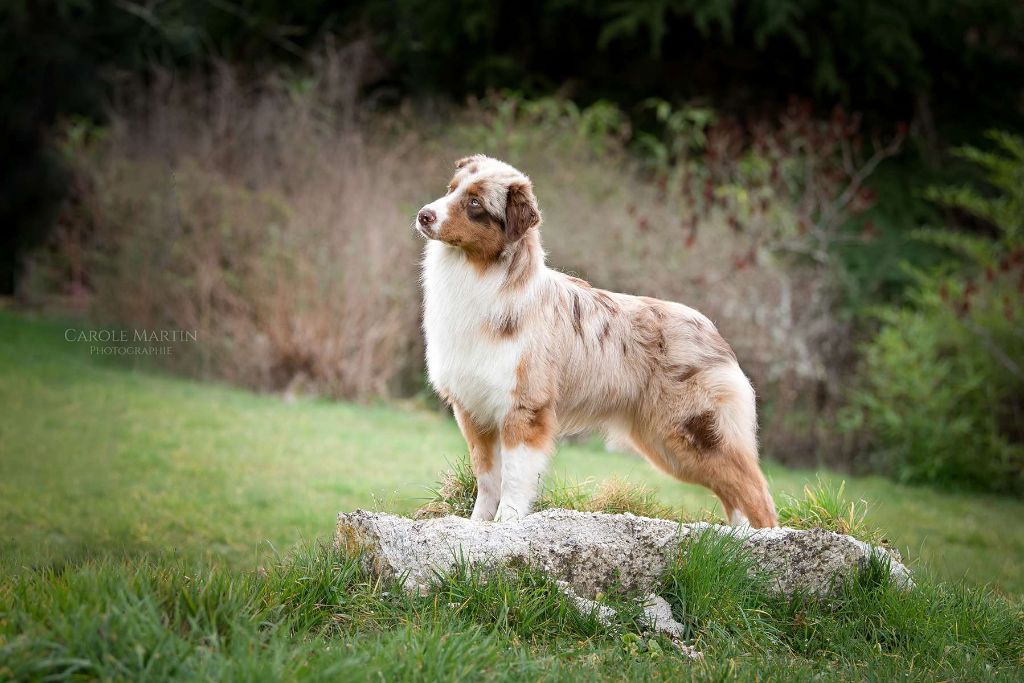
273	216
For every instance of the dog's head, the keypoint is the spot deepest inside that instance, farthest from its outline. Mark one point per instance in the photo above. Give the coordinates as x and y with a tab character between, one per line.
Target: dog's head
488	206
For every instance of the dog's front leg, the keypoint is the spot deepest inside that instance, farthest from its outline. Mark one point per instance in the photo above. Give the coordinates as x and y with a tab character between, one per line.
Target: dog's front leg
526	443
485	457
488	482
522	469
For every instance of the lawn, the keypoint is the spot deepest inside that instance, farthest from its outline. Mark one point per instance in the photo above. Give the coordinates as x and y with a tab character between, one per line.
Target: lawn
97	458
132	502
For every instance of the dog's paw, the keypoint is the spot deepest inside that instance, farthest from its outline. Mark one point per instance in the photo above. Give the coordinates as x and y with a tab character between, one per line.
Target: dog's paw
480	516
508	513
739	519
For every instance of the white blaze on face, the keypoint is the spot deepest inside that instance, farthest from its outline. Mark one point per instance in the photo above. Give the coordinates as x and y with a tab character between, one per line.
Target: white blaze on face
497	177
442	205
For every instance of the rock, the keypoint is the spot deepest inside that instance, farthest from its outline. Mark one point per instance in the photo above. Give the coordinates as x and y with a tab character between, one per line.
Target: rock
595	552
809	560
658	617
587	550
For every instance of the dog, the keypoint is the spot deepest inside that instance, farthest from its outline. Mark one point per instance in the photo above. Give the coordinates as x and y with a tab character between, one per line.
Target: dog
523	353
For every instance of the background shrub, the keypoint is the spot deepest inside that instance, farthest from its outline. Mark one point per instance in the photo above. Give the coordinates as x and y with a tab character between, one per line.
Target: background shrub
943	386
917	61
274	218
267	218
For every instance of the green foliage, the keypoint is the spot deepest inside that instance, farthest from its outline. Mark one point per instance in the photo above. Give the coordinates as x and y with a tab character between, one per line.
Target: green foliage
456	493
824	506
717	593
868	55
1003	168
320	615
682	133
873	270
874	56
892	48
943	379
509	121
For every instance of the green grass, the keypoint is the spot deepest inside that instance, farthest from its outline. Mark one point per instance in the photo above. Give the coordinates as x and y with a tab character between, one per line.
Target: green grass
320	616
98	459
156	528
822	506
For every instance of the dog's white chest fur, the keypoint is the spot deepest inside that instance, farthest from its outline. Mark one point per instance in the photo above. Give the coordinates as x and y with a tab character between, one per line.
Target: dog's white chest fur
464	359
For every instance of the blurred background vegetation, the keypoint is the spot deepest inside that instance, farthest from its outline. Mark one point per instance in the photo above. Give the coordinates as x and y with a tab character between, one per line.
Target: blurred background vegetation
837	184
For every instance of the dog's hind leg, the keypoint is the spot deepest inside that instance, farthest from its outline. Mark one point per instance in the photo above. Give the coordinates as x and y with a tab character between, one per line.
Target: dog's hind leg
716	441
736	479
698	453
485	456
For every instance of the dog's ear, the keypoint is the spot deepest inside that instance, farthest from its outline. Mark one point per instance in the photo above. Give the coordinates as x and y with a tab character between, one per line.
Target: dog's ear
465	160
521	212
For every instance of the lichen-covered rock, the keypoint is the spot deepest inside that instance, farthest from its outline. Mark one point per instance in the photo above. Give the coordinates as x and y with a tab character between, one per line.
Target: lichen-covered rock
593	552
809	560
657	617
590	551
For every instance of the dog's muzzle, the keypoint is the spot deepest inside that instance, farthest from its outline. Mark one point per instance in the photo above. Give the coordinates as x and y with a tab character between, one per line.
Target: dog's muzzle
425	222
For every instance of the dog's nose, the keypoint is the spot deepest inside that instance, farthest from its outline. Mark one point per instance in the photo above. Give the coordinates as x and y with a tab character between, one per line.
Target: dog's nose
426	217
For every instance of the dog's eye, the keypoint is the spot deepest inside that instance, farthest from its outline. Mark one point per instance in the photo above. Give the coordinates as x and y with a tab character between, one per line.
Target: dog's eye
474	202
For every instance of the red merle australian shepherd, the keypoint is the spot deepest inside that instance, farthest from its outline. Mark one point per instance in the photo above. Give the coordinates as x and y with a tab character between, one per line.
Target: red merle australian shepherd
524	353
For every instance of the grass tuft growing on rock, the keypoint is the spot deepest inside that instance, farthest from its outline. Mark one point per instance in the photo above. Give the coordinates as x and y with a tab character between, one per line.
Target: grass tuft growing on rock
455	494
822	506
717	593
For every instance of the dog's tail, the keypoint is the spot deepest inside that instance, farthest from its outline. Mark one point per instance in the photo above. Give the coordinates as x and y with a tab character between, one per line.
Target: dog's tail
738	479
